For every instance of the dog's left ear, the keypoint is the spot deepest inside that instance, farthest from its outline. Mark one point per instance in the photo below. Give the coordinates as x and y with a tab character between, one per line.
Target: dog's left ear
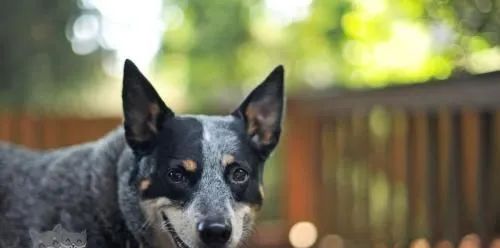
262	112
143	109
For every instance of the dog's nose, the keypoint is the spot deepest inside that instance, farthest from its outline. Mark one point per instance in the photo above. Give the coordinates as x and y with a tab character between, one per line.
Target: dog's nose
214	232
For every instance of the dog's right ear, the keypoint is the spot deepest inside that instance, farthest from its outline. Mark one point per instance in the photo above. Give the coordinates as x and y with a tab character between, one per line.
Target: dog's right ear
262	112
143	110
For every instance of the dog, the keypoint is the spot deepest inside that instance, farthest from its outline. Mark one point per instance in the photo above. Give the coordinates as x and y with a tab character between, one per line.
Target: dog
157	180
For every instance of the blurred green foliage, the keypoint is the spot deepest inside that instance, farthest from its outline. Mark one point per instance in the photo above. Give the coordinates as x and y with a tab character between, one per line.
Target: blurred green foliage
38	64
223	44
222	48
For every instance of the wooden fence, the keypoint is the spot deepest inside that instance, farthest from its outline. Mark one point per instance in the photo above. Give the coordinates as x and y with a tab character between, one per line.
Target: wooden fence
47	132
404	166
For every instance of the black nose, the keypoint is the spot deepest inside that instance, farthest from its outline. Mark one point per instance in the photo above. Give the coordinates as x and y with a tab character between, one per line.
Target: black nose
214	232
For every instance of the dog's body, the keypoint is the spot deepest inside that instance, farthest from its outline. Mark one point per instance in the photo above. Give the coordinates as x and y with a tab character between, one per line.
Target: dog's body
75	187
158	178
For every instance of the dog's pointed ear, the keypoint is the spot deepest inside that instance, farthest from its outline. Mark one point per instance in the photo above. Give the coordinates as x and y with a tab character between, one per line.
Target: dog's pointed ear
143	109
262	112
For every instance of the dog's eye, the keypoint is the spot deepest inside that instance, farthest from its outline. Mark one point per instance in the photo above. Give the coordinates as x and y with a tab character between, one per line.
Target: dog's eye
176	176
239	175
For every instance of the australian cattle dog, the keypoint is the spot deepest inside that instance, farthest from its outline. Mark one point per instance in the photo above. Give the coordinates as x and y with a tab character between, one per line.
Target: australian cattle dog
158	180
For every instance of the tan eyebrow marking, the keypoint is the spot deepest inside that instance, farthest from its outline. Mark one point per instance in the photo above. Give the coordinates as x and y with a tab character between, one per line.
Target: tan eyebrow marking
227	159
189	165
145	184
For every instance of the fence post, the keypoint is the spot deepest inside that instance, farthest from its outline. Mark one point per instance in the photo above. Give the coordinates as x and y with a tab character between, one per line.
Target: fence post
301	158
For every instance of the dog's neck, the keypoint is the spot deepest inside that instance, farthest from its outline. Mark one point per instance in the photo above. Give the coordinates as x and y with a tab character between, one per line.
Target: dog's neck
106	154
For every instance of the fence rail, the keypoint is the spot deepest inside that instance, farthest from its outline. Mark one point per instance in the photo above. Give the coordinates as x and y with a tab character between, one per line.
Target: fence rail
46	132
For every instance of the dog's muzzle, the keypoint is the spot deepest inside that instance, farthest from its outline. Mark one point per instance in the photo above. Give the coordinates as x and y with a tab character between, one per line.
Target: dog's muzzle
214	232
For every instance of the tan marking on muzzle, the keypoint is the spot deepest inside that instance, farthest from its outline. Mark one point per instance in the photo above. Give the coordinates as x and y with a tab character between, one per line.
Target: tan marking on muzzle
227	159
261	191
152	210
189	165
145	184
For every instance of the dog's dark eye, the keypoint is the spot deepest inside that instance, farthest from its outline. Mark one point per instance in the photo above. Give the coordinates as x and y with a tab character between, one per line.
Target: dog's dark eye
176	176
239	175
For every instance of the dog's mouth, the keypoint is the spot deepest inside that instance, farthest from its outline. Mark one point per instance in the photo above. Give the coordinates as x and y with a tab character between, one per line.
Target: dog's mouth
167	225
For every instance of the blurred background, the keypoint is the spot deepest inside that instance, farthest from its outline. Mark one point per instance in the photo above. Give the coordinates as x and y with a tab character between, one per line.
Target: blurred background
393	117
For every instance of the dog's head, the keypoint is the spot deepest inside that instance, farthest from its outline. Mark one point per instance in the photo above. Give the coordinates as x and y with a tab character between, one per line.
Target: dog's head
200	177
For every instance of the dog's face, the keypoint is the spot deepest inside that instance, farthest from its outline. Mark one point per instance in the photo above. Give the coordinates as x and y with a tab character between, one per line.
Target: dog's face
200	177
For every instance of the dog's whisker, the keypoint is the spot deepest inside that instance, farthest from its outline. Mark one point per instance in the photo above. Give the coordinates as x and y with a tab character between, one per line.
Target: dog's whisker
146	224
245	243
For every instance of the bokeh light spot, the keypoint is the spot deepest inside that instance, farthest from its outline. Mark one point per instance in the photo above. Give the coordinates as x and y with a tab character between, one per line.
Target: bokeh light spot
303	234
